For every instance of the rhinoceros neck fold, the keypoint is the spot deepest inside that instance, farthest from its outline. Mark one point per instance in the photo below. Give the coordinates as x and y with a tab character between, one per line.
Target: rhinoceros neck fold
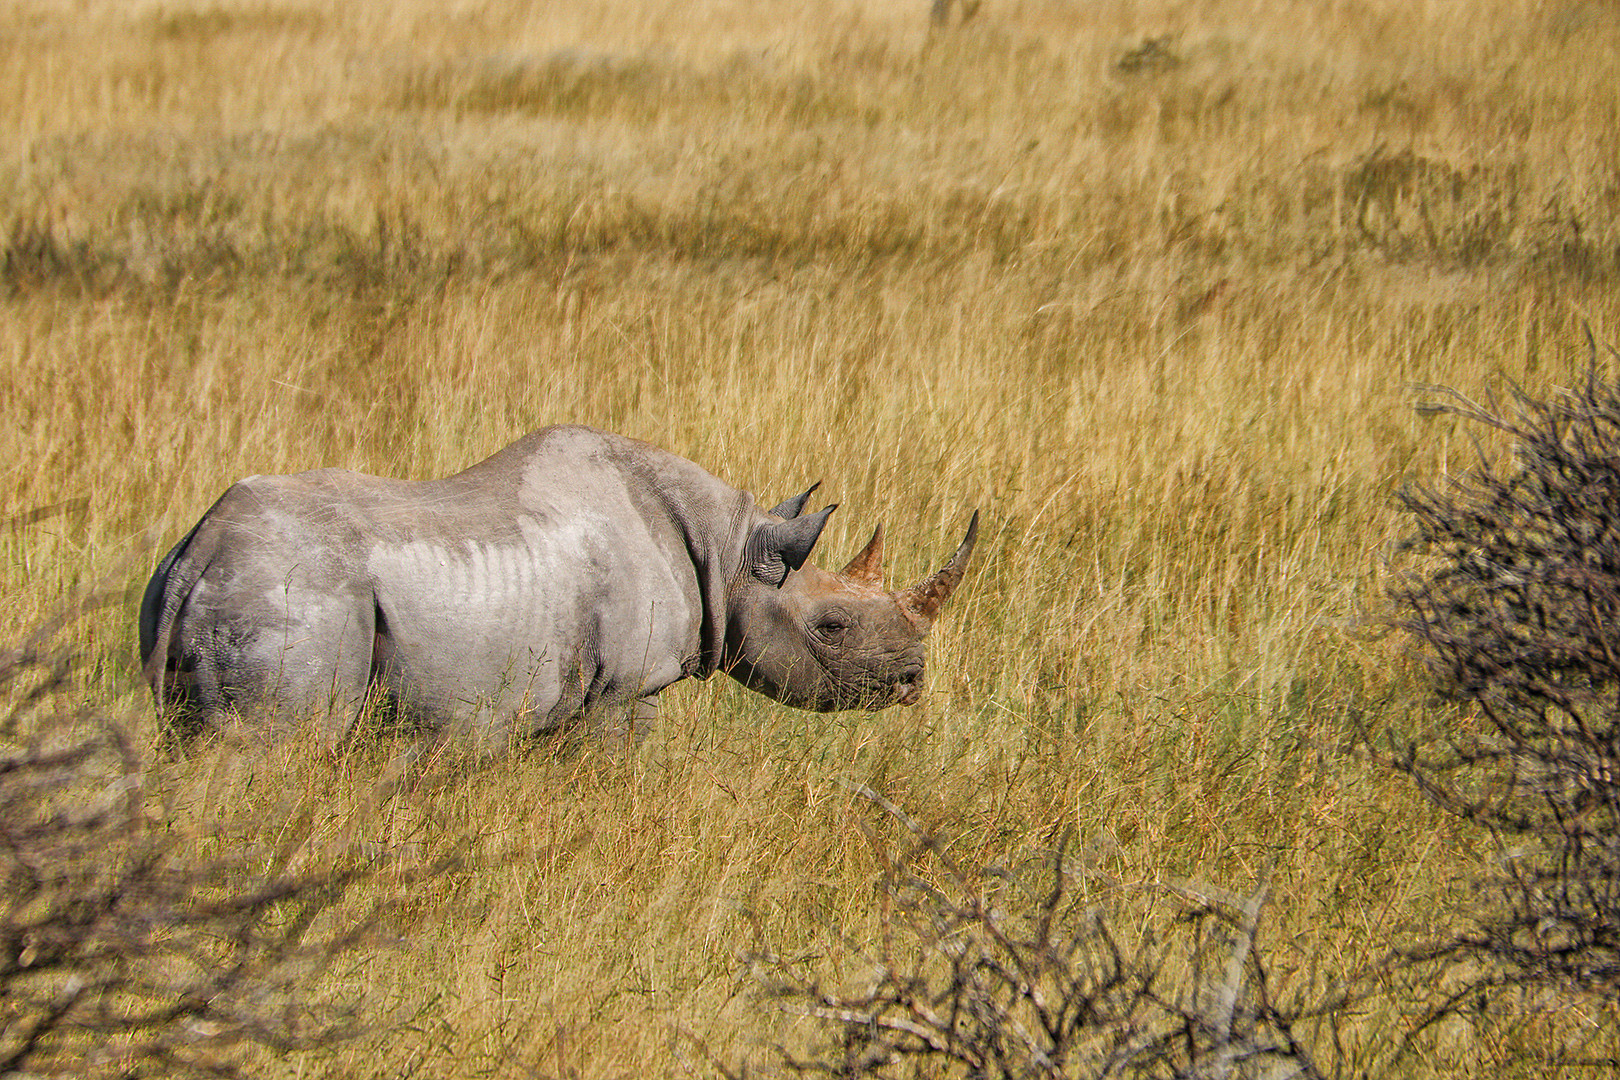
713	519
673	512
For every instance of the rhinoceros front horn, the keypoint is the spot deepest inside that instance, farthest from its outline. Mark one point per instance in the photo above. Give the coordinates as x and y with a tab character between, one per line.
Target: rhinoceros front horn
927	597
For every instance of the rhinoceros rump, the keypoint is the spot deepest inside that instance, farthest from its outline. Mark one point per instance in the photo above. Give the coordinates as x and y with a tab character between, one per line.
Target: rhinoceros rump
573	573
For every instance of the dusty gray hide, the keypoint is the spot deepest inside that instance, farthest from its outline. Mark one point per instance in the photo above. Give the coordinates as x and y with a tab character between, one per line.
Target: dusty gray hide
574	573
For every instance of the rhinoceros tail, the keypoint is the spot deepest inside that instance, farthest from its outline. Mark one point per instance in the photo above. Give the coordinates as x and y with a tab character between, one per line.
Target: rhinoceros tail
159	606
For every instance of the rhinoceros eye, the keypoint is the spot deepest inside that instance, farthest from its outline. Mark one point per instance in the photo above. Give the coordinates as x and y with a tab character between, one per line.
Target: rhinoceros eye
831	627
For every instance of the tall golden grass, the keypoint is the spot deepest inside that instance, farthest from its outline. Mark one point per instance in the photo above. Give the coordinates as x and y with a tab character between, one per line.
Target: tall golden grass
1150	284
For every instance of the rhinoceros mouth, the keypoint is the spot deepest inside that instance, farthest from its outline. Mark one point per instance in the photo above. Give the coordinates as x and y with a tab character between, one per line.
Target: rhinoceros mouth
858	699
870	692
904	688
909	687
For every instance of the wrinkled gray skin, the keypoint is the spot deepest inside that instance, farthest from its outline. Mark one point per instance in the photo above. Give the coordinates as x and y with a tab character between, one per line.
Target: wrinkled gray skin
574	573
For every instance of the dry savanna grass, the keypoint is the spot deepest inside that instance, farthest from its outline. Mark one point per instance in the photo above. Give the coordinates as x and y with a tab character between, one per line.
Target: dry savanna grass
1150	284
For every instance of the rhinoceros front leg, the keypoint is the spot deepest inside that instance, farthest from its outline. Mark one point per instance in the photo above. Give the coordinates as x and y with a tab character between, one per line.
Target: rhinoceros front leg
642	717
491	734
627	724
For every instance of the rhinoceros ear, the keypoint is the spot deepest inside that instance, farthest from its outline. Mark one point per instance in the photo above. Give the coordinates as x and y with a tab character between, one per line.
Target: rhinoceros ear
790	508
777	548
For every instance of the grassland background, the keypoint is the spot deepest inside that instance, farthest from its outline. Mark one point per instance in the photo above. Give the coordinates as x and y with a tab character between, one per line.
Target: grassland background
1150	284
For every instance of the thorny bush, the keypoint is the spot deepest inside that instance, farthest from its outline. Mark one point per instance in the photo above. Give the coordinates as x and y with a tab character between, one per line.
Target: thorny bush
1028	975
1512	592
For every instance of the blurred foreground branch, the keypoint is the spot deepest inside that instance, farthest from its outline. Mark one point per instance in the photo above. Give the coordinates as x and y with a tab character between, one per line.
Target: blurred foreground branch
126	949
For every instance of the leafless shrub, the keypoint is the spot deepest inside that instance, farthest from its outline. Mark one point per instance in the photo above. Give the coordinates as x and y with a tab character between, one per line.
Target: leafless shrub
939	11
1153	56
1514	600
1019	975
124	949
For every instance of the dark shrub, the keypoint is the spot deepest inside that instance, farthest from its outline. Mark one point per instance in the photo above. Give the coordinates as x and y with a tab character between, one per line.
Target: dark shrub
1512	592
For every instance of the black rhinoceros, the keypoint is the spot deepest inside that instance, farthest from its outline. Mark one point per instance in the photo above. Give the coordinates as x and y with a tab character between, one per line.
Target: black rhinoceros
574	573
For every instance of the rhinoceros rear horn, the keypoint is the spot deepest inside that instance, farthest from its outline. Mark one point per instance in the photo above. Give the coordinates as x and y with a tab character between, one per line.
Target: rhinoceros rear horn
790	508
927	597
777	548
867	567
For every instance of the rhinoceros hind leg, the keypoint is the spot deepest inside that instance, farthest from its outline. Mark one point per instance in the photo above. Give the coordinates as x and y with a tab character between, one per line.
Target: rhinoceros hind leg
278	674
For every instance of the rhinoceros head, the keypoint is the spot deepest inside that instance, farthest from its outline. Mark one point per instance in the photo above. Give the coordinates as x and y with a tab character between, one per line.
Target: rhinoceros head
826	641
